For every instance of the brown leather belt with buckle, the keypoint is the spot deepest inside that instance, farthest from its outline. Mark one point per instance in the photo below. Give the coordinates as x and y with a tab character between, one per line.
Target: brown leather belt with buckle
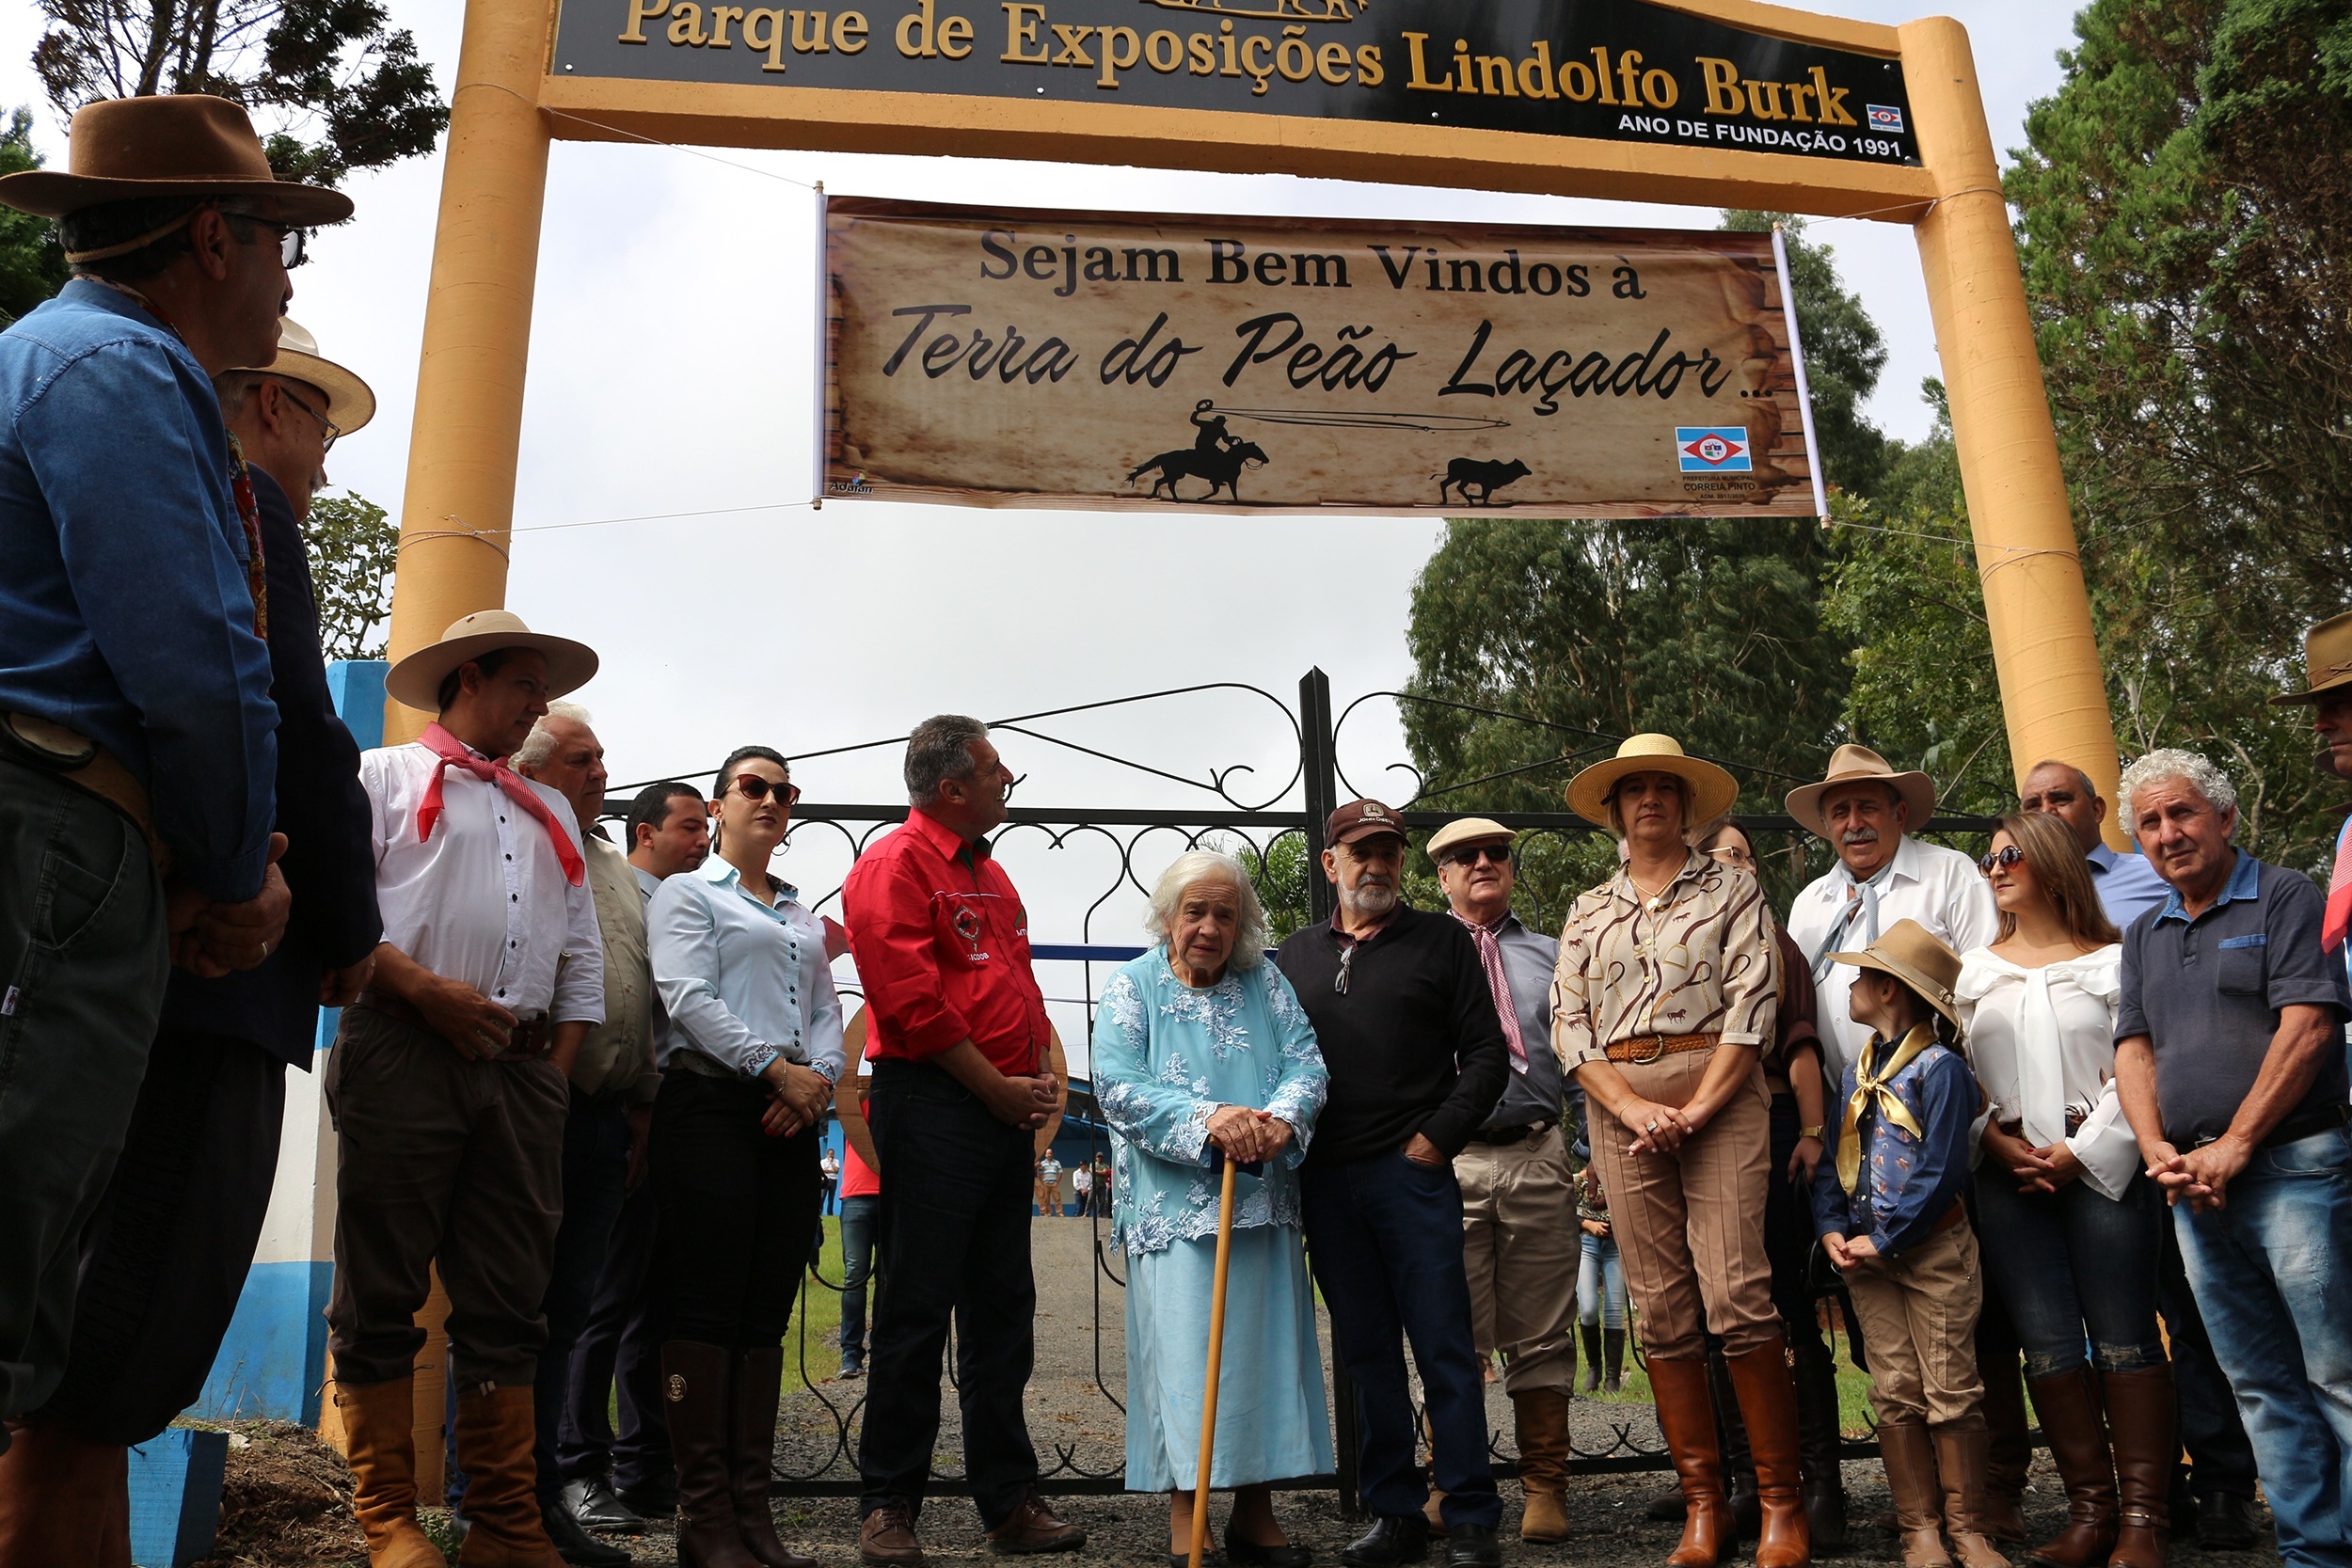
529	1041
51	748
1503	1137
1643	1048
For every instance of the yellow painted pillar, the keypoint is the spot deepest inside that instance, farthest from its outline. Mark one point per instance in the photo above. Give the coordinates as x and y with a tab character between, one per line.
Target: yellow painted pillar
462	448
2043	652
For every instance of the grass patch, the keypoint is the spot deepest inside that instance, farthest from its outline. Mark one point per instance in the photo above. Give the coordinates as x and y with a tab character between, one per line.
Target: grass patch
1854	1395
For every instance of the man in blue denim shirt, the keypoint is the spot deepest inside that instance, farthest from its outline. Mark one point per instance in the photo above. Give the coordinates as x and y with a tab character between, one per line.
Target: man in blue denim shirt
132	669
2229	1062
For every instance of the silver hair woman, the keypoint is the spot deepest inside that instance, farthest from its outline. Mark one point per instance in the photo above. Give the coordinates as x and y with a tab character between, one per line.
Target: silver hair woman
1201	1048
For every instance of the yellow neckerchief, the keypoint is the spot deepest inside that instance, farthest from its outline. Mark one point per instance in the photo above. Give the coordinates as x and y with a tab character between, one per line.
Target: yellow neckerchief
1868	1081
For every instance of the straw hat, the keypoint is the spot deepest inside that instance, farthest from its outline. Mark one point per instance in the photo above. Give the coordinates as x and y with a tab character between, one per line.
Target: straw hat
416	680
1712	791
1467	830
349	402
1912	954
1854	764
2327	654
183	144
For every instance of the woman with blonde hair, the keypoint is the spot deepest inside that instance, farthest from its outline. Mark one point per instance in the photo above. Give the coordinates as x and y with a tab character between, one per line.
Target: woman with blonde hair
2069	1219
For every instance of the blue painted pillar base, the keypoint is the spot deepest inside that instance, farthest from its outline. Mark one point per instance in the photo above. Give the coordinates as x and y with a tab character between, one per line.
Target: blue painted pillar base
175	1497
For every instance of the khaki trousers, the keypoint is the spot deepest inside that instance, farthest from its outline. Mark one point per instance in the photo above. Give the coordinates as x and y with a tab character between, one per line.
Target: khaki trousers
1690	1225
1520	1244
1918	1311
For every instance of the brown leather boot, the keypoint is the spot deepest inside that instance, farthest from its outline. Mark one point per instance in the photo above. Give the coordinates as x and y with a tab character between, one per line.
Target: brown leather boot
380	1446
495	1428
1541	1415
2008	1452
2078	1434
1909	1454
1687	1417
1767	1406
698	1380
752	1454
1960	1459
1818	1444
2140	1405
63	1499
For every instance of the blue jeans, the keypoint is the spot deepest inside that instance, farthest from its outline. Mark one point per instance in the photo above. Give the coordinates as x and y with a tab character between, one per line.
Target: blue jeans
2219	1457
1384	1237
1600	1284
2074	1261
857	1267
2273	1276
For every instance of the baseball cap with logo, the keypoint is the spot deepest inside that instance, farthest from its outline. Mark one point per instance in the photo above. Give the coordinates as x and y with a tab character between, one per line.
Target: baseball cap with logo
1361	819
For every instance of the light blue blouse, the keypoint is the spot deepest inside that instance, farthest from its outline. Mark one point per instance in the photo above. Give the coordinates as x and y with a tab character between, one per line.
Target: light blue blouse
1166	1057
742	983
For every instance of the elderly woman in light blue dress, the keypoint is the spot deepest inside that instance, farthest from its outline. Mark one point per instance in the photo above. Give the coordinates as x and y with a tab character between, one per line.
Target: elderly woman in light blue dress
1199	1045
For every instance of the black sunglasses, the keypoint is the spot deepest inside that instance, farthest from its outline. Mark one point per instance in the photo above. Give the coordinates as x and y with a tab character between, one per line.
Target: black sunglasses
1500	854
2003	858
753	787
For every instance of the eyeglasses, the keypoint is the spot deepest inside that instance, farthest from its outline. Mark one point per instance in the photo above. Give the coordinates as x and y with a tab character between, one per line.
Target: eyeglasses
1347	961
294	244
754	789
1497	854
333	431
2002	858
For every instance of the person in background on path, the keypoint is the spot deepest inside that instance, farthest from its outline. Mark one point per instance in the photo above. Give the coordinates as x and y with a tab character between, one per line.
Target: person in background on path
1200	1051
2229	1063
1792	1072
1048	1184
448	1089
1662	1003
829	1173
2214	1480
1886	1205
2070	1225
860	1202
1519	1199
1600	1298
754	1049
1082	1188
617	1483
1405	1021
164	1259
613	1082
1102	1184
959	1047
136	754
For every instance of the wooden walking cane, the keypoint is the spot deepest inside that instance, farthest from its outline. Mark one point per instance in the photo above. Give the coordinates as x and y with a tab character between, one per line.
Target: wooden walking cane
1216	1355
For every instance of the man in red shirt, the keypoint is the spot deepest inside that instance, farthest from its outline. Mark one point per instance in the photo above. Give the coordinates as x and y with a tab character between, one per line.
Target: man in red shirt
957	1041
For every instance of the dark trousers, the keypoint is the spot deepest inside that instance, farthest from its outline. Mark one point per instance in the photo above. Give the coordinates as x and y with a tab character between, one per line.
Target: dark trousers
164	1259
619	1354
1788	1241
858	1215
2221	1456
1384	1237
596	1178
82	967
737	1210
442	1160
2071	1264
954	1243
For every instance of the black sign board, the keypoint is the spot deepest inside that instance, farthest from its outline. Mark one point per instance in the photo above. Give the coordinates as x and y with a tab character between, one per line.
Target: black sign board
1608	69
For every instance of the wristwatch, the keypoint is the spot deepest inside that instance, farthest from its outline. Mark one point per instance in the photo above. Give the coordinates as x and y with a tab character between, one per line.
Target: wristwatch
1808	1132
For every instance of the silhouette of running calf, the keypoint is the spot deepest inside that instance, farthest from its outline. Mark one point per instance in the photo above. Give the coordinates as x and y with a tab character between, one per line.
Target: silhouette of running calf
1220	468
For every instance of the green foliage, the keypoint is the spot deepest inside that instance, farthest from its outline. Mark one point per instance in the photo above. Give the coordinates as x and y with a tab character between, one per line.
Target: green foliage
1844	356
353	545
336	86
1280	876
32	265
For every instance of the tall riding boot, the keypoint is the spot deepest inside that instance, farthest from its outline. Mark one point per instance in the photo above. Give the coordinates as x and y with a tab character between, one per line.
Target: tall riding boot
2141	1408
1732	1432
1909	1454
1590	1334
1612	1353
1819	1441
1960	1458
64	1500
380	1446
752	1454
495	1428
697	1378
1541	1415
2078	1434
2009	1451
1768	1402
1687	1417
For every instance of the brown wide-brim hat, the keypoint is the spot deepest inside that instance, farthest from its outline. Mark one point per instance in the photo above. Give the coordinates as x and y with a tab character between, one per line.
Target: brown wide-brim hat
350	404
1914	954
1861	765
2327	658
417	679
1713	791
184	144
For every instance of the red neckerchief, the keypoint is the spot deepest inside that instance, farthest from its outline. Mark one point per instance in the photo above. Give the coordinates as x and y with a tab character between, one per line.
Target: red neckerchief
453	753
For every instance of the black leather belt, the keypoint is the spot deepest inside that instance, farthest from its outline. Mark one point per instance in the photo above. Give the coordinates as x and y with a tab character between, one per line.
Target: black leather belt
1503	1137
2295	1128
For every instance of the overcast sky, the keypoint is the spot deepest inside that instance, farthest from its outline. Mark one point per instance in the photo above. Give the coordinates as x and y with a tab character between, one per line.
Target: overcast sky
670	372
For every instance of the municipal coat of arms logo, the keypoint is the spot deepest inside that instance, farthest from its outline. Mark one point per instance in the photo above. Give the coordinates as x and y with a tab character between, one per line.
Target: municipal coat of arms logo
968	924
1279	10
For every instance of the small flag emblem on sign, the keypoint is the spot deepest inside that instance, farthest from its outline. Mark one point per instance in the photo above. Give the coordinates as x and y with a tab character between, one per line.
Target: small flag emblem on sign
1885	117
1713	448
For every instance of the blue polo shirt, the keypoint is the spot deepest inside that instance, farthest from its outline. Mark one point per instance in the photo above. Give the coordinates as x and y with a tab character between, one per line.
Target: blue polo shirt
2208	993
2128	886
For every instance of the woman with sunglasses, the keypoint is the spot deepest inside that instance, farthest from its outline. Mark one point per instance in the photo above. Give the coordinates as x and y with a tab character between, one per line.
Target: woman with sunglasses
748	1065
2068	1218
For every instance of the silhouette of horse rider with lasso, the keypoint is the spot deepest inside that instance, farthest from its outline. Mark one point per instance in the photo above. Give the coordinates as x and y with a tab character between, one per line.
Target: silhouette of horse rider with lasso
1216	455
1213	436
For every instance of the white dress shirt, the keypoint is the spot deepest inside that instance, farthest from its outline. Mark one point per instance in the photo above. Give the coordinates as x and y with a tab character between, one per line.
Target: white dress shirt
745	982
1940	888
2043	1042
484	901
